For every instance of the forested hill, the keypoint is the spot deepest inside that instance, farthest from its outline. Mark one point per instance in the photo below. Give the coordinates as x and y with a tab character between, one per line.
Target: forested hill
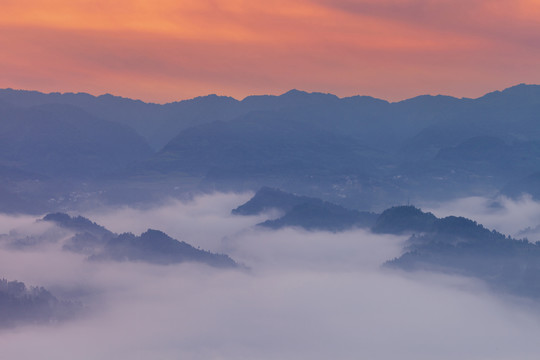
305	212
22	305
461	246
452	245
58	150
152	246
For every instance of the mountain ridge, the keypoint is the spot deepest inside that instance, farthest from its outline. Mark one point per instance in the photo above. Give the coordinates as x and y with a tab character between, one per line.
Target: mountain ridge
152	246
352	151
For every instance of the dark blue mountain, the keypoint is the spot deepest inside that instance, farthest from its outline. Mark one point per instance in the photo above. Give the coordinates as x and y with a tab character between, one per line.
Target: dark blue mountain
152	246
305	212
457	245
156	247
404	219
22	305
322	215
526	185
357	152
267	198
65	141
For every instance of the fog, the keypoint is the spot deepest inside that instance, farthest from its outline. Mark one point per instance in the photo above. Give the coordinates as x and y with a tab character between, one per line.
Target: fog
16	222
306	295
202	221
503	214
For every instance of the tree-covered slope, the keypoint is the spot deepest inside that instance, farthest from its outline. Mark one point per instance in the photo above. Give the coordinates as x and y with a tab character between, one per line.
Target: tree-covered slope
65	141
22	305
457	245
305	212
152	246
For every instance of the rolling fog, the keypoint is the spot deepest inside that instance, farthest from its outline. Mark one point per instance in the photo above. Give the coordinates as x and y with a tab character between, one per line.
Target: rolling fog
518	218
304	295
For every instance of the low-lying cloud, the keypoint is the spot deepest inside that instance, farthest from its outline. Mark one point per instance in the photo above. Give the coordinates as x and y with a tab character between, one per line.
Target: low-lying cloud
503	214
202	221
307	295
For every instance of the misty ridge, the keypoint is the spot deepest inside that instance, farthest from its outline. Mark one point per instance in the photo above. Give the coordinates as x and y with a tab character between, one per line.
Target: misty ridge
185	226
447	245
20	304
301	282
68	151
303	211
152	246
452	244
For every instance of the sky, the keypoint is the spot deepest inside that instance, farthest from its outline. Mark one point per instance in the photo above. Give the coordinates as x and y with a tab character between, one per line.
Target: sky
167	50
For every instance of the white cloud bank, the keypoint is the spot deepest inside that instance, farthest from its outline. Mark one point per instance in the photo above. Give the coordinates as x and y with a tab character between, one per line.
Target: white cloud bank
307	296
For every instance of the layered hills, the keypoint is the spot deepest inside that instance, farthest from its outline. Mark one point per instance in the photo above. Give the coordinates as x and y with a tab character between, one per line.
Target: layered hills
458	245
152	246
451	245
359	152
305	212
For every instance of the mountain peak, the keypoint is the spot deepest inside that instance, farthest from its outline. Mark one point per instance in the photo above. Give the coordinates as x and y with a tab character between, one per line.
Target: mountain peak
521	92
294	93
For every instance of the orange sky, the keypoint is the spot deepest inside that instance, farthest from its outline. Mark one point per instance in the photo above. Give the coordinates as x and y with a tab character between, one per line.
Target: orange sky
165	50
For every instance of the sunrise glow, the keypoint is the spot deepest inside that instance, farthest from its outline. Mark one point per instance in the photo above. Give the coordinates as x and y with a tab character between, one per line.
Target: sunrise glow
164	50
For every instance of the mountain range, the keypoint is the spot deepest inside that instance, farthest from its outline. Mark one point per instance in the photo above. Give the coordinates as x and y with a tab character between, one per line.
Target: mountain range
152	246
457	245
451	245
60	151
305	212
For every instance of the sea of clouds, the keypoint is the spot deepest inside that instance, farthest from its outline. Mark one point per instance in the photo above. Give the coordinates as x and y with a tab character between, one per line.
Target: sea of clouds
301	295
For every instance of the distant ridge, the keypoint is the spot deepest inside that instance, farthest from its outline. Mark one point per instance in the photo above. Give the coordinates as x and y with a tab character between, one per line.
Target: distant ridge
39	97
175	116
153	246
356	152
305	212
451	245
458	245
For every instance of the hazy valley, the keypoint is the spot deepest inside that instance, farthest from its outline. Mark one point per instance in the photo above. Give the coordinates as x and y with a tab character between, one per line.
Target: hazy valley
295	226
